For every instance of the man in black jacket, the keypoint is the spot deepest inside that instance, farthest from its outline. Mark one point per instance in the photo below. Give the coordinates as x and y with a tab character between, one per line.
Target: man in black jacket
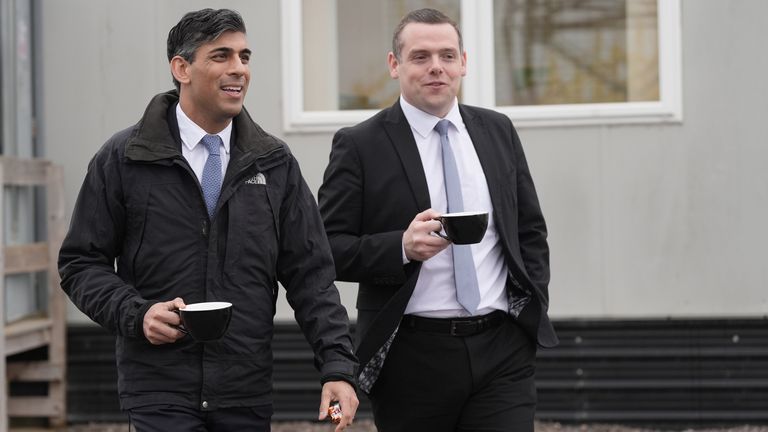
162	221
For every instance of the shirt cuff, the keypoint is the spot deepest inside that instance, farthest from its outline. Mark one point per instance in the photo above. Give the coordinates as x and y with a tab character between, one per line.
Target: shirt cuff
405	258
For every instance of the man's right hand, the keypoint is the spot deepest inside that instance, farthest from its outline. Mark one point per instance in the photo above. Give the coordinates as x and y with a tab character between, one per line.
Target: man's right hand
161	322
419	242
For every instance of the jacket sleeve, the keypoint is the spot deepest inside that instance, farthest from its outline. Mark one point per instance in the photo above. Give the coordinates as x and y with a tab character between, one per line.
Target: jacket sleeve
374	258
305	269
88	252
532	229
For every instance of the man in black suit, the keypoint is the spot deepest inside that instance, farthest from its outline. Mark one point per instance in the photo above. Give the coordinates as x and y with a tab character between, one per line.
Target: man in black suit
429	360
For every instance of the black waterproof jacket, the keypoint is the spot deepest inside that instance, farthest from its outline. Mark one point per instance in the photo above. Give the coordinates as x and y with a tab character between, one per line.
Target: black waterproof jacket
140	234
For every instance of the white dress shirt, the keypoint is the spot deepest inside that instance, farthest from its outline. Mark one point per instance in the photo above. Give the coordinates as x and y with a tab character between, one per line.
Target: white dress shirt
435	291
195	154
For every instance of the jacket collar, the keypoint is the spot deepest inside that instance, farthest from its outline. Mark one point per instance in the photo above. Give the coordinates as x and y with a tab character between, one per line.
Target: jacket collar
156	136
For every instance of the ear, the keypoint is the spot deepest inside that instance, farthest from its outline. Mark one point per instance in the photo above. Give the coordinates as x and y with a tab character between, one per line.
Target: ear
393	64
463	63
180	69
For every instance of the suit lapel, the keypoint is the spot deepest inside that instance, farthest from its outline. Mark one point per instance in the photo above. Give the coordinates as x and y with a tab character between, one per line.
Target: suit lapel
401	136
491	162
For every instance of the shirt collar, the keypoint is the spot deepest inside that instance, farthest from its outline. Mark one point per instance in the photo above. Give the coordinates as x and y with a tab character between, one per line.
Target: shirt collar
422	122
191	133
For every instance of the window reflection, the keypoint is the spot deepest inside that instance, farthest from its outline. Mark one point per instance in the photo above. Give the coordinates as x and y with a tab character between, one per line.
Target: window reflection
345	50
572	51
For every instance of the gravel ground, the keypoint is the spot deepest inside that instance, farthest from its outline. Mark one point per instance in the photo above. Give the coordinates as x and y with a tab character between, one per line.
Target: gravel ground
367	426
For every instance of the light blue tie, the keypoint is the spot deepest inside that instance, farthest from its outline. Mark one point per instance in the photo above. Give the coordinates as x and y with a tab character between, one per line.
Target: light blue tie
467	291
211	180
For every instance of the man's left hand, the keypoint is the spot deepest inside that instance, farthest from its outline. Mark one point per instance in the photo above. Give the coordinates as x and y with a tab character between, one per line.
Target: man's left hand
343	392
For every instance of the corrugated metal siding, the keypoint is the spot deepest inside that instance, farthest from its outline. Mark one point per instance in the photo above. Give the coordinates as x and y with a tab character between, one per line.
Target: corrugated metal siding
92	375
692	371
687	371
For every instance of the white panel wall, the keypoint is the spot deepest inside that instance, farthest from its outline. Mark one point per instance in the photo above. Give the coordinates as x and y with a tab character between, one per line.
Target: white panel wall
645	221
669	220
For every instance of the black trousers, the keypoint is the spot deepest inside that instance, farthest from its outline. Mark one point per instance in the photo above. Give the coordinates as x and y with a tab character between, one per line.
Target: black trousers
166	418
432	381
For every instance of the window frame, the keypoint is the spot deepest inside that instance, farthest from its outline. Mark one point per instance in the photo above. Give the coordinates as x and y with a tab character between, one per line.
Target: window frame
478	87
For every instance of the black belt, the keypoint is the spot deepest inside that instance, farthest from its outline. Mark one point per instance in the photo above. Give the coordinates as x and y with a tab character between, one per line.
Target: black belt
455	326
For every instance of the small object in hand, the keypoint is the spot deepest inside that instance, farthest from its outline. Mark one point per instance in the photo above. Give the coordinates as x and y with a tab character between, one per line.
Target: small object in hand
334	410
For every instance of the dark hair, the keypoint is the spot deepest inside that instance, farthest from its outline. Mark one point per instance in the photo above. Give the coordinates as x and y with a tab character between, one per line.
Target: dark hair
199	27
425	16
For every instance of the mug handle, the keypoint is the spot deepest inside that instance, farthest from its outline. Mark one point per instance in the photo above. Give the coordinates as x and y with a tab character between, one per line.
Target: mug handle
180	327
439	234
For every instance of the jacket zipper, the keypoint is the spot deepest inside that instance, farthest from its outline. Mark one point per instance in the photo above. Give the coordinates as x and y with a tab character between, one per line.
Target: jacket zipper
179	160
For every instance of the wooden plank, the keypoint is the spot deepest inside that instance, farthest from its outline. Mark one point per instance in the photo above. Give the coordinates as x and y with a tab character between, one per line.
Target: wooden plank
34	371
33	406
26	342
57	302
29	429
3	349
27	334
24	172
26	258
27	325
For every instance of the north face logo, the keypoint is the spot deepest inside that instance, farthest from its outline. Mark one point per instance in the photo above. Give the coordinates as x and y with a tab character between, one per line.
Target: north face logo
258	179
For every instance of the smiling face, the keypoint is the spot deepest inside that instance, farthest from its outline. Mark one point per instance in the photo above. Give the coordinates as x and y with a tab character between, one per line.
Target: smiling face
214	83
430	66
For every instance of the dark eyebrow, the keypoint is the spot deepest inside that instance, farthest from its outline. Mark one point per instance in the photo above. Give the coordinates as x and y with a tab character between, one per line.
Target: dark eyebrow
220	50
226	50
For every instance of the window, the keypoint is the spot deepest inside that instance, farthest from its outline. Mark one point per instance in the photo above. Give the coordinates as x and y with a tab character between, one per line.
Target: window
542	62
575	52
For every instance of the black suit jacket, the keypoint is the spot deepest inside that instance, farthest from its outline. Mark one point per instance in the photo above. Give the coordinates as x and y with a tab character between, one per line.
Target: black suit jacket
375	184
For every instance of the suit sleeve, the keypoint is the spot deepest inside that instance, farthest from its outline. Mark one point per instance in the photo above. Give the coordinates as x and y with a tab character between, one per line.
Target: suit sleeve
361	253
532	229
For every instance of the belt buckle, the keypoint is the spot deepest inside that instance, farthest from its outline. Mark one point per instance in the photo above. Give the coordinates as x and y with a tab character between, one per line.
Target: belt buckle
455	330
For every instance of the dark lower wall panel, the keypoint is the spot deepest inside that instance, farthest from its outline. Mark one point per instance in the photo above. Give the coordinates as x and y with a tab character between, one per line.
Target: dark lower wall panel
640	371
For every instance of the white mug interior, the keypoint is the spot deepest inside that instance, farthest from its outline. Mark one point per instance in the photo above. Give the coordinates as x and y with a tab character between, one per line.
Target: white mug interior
206	306
464	213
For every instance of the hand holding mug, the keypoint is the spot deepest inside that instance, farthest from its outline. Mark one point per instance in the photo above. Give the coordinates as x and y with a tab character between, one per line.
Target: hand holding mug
160	322
419	243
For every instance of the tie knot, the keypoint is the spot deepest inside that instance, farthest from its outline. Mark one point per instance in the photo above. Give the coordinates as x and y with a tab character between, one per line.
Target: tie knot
442	127
211	142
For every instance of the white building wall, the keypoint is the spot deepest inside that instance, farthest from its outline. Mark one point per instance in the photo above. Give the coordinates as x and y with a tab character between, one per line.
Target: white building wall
645	220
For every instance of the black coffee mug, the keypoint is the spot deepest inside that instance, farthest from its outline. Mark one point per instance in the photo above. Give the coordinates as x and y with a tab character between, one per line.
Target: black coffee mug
464	227
206	321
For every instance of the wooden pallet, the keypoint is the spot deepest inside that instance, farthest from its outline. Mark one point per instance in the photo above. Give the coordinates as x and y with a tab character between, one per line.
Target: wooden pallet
32	333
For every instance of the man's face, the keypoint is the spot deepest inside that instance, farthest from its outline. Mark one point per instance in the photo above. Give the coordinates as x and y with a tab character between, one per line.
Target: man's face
213	86
430	66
